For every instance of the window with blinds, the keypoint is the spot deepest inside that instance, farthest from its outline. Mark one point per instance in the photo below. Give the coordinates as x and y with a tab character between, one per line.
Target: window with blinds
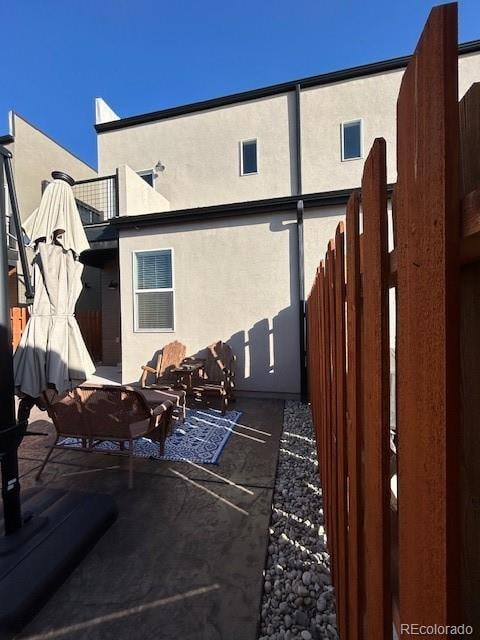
153	290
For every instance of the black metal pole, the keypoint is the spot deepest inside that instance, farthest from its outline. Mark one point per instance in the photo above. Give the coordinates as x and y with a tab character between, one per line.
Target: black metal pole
301	259
9	437
7	161
301	304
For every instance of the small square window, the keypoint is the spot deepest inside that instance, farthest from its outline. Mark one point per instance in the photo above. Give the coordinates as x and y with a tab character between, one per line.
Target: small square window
249	163
351	140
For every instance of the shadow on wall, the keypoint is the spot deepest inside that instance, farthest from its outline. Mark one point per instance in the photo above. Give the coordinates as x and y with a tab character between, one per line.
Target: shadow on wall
268	358
267	355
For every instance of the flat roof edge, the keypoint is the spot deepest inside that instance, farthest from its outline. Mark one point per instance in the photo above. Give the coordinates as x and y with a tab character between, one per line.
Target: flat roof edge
263	92
228	210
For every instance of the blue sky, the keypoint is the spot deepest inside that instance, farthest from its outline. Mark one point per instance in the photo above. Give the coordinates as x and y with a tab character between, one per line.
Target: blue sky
145	55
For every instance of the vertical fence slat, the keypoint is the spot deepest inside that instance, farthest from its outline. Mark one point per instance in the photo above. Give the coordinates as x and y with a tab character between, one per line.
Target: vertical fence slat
376	398
321	370
330	408
354	419
341	460
427	222
470	364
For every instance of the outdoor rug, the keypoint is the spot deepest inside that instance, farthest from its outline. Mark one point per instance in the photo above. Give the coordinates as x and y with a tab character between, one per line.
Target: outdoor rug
201	438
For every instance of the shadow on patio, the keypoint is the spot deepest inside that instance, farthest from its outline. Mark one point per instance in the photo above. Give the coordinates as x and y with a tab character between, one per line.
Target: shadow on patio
186	555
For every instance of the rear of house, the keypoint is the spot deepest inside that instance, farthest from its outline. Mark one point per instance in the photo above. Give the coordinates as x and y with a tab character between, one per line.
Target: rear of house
206	220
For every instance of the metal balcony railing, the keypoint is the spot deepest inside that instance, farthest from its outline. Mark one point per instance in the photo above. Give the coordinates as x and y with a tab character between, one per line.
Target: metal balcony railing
97	198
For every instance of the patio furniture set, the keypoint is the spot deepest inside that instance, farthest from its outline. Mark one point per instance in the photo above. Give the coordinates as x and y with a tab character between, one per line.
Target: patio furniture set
177	376
92	414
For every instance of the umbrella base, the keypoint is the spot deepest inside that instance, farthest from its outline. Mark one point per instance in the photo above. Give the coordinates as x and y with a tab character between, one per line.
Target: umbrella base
61	528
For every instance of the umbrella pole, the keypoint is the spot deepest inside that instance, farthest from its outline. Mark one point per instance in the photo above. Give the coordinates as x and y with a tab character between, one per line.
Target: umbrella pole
9	432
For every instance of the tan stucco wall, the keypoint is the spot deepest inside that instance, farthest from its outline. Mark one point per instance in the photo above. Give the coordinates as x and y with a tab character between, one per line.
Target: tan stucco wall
135	196
372	100
35	157
201	153
233	281
319	227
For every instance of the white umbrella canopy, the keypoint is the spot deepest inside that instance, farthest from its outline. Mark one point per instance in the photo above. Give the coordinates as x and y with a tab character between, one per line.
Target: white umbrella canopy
51	352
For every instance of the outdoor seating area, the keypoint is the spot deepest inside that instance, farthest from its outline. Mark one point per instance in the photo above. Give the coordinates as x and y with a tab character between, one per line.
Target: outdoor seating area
96	414
212	377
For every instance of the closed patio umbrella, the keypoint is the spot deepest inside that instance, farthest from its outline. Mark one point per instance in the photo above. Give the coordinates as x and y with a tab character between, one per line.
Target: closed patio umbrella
39	550
51	352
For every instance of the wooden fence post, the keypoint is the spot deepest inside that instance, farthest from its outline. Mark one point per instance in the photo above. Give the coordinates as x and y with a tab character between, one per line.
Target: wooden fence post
427	223
339	365
354	421
376	394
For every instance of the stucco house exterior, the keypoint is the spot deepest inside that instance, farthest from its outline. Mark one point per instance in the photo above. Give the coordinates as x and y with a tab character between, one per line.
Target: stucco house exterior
221	208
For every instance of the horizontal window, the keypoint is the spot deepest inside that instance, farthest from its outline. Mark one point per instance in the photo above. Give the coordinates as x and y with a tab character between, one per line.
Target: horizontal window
153	290
351	140
248	158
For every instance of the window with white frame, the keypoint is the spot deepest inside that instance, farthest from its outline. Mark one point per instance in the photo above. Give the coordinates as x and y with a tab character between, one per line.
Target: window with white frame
351	133
153	290
248	157
147	175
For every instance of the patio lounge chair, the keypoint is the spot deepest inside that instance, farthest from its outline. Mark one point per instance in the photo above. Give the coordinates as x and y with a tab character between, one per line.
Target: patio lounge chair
219	375
96	413
171	356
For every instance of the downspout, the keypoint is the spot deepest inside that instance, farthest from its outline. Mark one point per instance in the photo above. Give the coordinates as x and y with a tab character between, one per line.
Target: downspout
300	254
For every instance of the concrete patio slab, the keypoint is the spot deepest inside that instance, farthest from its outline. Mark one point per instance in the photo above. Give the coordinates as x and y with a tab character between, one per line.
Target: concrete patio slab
246	459
186	555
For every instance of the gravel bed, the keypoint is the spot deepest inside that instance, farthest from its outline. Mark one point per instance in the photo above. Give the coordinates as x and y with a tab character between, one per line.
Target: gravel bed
298	599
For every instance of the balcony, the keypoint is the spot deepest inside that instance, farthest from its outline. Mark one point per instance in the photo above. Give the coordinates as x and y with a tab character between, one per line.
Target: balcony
97	199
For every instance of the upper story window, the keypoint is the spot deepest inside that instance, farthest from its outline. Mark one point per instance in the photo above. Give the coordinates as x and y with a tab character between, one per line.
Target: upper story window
153	290
147	175
351	133
248	157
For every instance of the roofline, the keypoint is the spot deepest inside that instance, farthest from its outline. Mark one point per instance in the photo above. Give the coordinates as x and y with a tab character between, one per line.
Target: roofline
234	209
275	89
11	137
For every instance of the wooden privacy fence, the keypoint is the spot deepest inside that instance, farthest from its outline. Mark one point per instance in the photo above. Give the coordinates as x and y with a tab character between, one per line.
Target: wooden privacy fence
18	321
413	560
90	323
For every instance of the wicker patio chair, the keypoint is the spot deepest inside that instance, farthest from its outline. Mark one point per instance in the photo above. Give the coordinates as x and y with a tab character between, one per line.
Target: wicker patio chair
219	375
171	356
96	413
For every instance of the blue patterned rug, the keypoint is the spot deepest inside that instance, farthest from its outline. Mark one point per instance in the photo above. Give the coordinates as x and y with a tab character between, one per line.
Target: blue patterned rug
201	438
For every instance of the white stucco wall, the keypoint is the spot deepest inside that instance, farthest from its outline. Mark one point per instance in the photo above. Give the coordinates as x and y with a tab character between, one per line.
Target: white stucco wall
233	281
35	157
371	99
201	153
200	150
135	196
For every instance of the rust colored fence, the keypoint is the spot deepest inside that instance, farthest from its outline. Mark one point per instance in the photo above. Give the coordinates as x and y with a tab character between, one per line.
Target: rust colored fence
18	320
409	556
90	323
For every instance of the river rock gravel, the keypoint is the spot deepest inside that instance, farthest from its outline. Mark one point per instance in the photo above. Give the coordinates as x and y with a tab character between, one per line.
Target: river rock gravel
298	598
